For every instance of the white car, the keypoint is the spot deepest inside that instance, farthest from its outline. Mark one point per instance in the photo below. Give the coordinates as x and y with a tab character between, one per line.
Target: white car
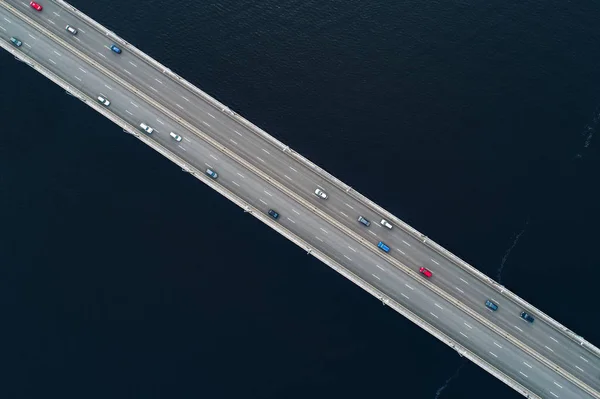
146	128
103	101
71	30
386	224
175	137
320	193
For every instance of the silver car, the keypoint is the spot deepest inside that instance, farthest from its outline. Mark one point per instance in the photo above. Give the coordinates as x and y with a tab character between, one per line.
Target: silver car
146	128
320	193
175	137
71	30
386	224
103	101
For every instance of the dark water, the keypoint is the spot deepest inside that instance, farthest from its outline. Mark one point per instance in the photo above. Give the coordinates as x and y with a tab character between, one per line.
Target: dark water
475	123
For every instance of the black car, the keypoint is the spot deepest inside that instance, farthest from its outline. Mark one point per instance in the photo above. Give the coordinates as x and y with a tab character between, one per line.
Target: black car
527	317
273	214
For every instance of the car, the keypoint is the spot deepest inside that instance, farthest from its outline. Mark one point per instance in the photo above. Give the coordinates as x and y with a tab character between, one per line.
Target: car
364	221
320	193
115	49
386	224
146	128
71	30
274	214
384	247
103	101
35	6
426	272
527	317
211	173
491	305
175	137
16	41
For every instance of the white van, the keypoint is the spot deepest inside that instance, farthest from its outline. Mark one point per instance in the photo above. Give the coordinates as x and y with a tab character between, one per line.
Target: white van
386	224
175	137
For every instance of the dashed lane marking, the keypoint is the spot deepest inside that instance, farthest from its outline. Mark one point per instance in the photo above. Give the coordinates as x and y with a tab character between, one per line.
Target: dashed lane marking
348	206
178	106
51	21
27	44
434	261
101	55
2	27
82	70
293	169
57	53
241	175
235	183
348	258
287	177
406	243
527	365
438	306
518	328
553	339
262	201
351	248
583	358
7	20
550	349
290	220
464	281
153	88
238	133
404	295
498	345
208	165
126	71
578	368
206	123
159	81
76	77
260	159
49	59
372	233
493	354
343	213
266	151
179	145
323	230
409	286
128	112
108	87
375	276
213	157
555	395
162	123
268	193
459	290
133	64
557	384
185	99
318	238
233	141
522	373
434	315
188	140
467	325
134	104
380	267
55	13
295	211
402	252
464	335
211	115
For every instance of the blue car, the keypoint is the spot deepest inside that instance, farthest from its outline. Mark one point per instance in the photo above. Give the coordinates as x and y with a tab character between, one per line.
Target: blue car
273	214
383	246
115	49
527	317
491	305
211	173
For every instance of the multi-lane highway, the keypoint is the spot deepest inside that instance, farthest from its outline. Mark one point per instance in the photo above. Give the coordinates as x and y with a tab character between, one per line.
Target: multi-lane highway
538	359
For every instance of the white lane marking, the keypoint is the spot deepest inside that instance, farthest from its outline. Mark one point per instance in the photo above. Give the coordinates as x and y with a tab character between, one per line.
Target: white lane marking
235	183
162	123
126	71
213	157
178	106
553	339
185	99
527	365
179	145
82	70
206	123
438	306
557	384
343	213
188	140
266	151
295	211
76	38
409	286
7	20
518	328
380	267
133	64
129	112
260	159
375	276
290	220
241	175
351	248
134	104
76	77
55	13
81	30
293	169
433	315
372	233
108	87
49	59
402	252
57	53
33	37
348	258
323	230
268	193
464	281
208	165
211	115
287	177
239	134
28	45
583	358
578	368
317	237
523	374
233	141
51	21
467	325
406	243
153	88
101	55
461	291
434	261
348	206
550	349
2	27
262	201
404	295
555	395
158	81
493	354
498	345
463	334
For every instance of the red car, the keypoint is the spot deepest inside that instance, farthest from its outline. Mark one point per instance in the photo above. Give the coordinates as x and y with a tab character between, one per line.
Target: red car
426	272
35	5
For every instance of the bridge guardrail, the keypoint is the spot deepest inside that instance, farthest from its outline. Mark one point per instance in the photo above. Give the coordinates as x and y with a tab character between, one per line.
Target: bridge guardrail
336	182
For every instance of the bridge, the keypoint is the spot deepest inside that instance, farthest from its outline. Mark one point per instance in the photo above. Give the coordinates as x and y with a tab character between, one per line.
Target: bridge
542	359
